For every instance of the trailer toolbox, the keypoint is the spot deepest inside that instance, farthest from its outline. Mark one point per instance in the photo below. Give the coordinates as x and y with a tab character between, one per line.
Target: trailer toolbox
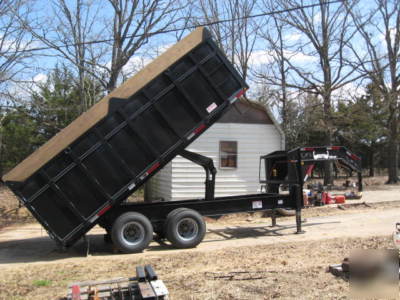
108	152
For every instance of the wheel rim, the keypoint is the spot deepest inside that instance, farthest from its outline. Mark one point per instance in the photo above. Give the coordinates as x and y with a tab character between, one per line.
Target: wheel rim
133	233
187	229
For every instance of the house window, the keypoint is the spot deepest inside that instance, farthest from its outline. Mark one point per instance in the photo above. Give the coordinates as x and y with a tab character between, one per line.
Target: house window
227	154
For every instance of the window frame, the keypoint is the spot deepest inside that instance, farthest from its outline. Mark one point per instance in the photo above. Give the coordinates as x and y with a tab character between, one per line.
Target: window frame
236	154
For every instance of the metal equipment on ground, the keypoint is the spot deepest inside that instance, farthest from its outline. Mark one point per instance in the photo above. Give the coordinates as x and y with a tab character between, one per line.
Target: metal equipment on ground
144	286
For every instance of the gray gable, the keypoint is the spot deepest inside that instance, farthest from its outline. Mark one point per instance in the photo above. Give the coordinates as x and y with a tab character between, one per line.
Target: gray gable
246	112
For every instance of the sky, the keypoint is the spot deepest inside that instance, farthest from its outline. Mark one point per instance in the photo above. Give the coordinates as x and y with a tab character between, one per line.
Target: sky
44	20
42	65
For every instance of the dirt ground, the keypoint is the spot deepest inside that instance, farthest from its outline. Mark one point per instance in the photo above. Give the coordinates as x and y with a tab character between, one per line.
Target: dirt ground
11	211
276	263
284	271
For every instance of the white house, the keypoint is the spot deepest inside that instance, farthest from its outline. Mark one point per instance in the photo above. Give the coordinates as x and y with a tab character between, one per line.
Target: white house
235	143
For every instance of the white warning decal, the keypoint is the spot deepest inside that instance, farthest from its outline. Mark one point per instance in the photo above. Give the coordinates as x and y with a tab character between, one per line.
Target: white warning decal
257	204
211	107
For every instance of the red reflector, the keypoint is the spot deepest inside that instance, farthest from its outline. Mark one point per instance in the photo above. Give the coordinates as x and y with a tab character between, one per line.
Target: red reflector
76	292
241	92
308	149
153	168
310	169
104	210
335	147
200	128
355	157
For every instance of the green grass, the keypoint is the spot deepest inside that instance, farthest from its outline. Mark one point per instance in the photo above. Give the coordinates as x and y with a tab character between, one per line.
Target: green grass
42	282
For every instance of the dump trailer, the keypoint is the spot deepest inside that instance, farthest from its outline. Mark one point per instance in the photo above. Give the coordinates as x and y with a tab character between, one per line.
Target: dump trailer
81	176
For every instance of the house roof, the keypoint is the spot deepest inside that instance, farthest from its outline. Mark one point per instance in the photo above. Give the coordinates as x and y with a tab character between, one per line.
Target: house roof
252	112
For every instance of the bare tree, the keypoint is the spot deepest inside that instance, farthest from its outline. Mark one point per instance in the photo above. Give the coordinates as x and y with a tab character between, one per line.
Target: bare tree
323	35
378	59
99	38
134	23
237	36
69	33
14	45
274	72
76	28
15	57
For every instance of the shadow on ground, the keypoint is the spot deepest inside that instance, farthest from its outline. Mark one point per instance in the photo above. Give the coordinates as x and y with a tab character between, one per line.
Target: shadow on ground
43	249
239	232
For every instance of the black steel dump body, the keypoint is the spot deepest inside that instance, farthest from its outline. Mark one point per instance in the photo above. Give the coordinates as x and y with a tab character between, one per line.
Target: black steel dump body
138	134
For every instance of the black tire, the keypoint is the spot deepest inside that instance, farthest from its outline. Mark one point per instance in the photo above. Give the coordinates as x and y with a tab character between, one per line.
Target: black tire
131	232
107	238
161	231
185	228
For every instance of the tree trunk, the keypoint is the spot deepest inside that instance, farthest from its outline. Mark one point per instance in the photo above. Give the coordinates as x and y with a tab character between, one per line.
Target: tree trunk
328	168
393	157
371	162
1	151
112	82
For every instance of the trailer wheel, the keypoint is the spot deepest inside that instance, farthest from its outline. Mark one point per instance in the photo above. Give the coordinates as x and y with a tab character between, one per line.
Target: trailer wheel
185	228
132	232
161	231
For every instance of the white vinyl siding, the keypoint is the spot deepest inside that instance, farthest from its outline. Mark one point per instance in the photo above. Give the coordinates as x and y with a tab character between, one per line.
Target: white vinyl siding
159	186
186	179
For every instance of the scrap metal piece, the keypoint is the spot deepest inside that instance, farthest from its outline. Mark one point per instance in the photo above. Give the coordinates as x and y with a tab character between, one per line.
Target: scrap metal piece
145	285
146	291
150	273
159	288
93	293
140	274
338	271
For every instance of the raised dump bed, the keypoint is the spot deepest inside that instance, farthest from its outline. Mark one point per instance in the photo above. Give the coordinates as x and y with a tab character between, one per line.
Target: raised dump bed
108	152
